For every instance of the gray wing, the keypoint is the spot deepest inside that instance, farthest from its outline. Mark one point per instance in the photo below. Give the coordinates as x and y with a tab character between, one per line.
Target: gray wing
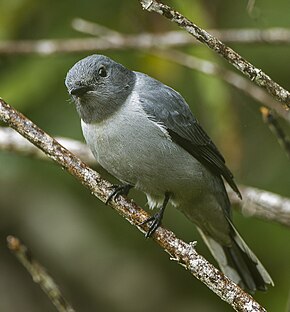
165	105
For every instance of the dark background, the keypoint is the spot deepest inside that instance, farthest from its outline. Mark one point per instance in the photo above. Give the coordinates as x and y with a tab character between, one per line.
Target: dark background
100	261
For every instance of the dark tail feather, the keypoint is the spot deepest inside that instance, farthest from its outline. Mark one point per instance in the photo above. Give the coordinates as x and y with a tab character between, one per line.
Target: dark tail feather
239	263
251	278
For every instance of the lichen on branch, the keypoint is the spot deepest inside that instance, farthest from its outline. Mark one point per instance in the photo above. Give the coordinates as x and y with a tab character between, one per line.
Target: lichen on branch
253	73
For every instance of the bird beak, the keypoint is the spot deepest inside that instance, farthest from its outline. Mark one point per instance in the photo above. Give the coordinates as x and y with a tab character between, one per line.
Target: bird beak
80	91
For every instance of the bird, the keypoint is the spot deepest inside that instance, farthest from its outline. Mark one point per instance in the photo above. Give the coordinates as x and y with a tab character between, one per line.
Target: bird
143	133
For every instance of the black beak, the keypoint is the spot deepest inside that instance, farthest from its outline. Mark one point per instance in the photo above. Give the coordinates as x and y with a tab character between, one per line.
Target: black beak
79	91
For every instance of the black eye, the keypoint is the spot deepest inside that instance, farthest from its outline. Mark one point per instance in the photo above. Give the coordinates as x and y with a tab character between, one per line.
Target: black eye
102	71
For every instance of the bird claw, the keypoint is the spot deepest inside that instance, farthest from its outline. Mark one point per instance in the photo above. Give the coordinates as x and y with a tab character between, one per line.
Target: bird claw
156	221
119	190
156	218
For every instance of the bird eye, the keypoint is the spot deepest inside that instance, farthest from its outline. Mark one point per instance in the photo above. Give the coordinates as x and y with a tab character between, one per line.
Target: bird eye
102	71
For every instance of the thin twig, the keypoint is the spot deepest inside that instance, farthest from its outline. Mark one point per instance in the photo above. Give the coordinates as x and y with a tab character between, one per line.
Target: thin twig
229	76
185	254
141	41
39	274
94	29
53	46
271	120
263	205
254	74
275	35
193	62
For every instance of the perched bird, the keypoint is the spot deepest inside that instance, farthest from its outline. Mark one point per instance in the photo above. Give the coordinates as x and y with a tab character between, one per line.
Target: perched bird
143	133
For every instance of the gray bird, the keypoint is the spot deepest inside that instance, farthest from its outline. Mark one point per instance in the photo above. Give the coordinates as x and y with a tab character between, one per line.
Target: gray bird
143	133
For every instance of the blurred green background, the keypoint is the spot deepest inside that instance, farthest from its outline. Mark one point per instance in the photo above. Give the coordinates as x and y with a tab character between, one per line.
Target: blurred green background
100	261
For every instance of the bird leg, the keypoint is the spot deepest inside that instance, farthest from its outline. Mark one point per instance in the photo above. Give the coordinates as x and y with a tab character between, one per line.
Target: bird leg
122	189
157	217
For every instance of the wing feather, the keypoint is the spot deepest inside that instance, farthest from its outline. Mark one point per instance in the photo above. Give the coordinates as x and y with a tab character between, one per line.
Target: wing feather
166	106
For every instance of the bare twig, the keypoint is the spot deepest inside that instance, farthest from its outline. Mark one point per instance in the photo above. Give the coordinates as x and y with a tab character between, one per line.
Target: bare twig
94	29
193	62
276	35
262	204
270	119
245	67
12	141
114	40
39	274
141	41
52	46
229	76
185	254
204	66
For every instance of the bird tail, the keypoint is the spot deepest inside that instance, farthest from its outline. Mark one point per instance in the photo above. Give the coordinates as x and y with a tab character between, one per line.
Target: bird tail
239	263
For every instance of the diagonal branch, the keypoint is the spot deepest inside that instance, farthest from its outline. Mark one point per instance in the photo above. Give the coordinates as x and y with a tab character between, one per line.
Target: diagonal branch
232	78
38	274
245	67
204	66
184	253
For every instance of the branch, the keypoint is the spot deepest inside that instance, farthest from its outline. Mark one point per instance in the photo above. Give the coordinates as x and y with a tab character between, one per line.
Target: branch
111	40
180	38
245	67
270	119
262	204
38	274
52	46
232	78
141	41
184	253
97	30
193	62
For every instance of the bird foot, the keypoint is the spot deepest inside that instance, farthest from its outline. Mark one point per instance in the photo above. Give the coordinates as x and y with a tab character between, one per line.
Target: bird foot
119	190
155	222
157	217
